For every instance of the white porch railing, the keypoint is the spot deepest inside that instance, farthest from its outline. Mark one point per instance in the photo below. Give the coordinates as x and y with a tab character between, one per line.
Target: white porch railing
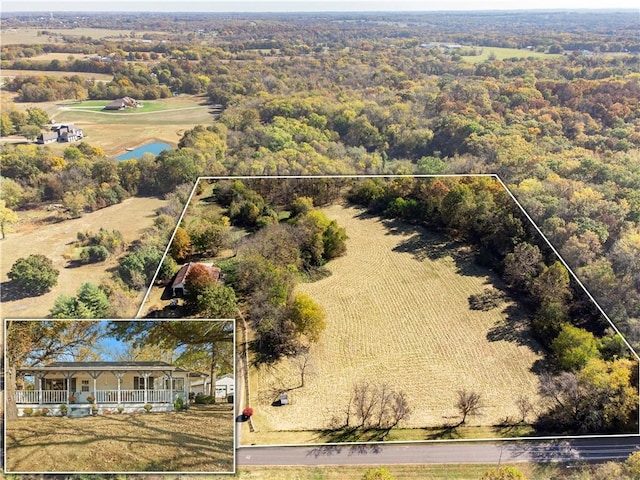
102	396
48	396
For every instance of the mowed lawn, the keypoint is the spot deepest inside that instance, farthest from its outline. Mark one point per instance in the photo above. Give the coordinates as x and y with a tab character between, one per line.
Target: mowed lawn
159	120
397	312
198	440
130	217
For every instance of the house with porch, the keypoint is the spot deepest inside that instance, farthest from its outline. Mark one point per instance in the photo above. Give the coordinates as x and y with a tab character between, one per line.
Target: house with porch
114	386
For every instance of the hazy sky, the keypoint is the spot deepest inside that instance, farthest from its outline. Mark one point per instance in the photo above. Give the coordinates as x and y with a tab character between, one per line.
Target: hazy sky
312	5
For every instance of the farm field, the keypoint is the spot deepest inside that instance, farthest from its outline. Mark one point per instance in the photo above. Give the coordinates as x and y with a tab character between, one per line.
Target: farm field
160	120
502	53
14	36
102	77
198	440
131	217
397	313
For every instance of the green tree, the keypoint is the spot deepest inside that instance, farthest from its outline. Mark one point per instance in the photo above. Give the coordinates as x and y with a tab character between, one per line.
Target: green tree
307	316
216	301
37	116
181	245
6	125
574	347
7	218
34	274
30	132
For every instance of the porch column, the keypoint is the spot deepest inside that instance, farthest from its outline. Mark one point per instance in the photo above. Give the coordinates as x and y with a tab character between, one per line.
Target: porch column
119	376
40	377
95	376
68	377
145	375
170	387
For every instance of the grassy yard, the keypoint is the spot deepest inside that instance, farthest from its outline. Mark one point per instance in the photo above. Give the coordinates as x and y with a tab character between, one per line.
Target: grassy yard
399	472
199	440
397	313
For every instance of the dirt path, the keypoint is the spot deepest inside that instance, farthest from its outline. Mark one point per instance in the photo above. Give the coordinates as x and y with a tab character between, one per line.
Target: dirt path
131	217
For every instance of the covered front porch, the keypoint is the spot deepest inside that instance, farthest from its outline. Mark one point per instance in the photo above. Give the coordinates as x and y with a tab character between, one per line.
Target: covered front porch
118	386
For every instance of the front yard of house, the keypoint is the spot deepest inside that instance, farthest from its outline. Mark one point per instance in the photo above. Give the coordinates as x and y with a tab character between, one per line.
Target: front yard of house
198	440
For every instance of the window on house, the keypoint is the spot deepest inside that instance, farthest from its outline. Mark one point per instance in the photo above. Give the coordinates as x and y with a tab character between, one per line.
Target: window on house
138	383
85	385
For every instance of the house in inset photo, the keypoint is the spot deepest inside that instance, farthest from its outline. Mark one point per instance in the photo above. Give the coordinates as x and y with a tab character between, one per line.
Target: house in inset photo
114	396
79	387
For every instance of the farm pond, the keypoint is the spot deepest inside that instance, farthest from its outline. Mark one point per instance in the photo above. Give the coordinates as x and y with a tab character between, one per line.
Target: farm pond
153	147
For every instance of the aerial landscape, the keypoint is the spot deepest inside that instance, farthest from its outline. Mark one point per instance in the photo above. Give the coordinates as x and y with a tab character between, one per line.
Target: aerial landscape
464	266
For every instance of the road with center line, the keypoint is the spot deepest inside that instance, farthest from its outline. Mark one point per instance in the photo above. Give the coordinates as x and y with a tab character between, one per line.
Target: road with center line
566	450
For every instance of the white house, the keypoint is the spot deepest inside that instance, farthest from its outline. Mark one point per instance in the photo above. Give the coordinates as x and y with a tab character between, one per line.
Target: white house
125	386
225	385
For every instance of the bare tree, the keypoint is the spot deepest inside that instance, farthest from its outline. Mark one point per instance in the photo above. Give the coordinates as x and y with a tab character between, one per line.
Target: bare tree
525	407
304	364
365	402
468	403
377	406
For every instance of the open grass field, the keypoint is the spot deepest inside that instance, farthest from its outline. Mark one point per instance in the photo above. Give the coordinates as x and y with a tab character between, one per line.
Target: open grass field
198	440
502	53
30	36
53	240
399	472
162	120
397	313
102	77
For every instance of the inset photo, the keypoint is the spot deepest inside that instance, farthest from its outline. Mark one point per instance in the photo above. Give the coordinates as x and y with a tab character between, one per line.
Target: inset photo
119	396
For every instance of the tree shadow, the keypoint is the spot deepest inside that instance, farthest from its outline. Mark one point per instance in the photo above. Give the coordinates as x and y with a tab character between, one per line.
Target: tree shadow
9	292
152	433
433	245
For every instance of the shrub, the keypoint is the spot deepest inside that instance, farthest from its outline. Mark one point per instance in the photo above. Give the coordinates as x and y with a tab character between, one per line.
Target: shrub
94	254
63	409
34	274
247	412
147	407
178	405
204	399
120	409
27	412
38	413
45	412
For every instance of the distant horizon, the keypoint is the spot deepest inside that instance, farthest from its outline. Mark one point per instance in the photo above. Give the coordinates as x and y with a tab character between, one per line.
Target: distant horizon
329	6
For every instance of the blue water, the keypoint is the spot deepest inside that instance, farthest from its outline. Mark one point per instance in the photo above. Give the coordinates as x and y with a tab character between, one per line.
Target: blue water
153	147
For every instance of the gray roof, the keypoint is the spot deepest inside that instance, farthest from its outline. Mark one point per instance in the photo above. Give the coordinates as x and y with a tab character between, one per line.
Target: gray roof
100	366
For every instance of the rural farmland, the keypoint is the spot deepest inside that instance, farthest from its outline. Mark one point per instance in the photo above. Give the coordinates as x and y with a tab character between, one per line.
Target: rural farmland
398	313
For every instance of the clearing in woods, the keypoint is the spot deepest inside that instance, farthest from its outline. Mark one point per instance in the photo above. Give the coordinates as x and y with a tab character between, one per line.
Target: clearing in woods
397	312
131	218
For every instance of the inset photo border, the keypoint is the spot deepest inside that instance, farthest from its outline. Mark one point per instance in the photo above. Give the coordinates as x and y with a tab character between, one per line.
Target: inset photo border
119	396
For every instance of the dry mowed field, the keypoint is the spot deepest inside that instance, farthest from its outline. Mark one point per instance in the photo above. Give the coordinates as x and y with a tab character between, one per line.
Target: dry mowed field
397	313
30	36
131	217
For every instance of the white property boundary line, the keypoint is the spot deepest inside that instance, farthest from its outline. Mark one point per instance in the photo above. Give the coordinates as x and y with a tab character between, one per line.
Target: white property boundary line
3	460
461	175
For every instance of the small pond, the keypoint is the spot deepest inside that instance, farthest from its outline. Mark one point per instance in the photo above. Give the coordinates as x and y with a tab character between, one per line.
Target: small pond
153	147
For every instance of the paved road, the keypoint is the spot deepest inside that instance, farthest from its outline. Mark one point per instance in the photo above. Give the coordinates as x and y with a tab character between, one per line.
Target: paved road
474	452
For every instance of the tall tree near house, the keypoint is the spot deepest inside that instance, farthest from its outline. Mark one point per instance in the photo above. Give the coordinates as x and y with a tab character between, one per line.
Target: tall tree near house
197	336
35	342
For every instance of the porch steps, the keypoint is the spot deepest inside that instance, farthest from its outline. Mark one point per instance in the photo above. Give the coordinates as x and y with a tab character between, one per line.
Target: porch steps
79	411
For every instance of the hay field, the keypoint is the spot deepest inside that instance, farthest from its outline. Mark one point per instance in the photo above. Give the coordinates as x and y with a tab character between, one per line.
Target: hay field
30	36
397	312
131	217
